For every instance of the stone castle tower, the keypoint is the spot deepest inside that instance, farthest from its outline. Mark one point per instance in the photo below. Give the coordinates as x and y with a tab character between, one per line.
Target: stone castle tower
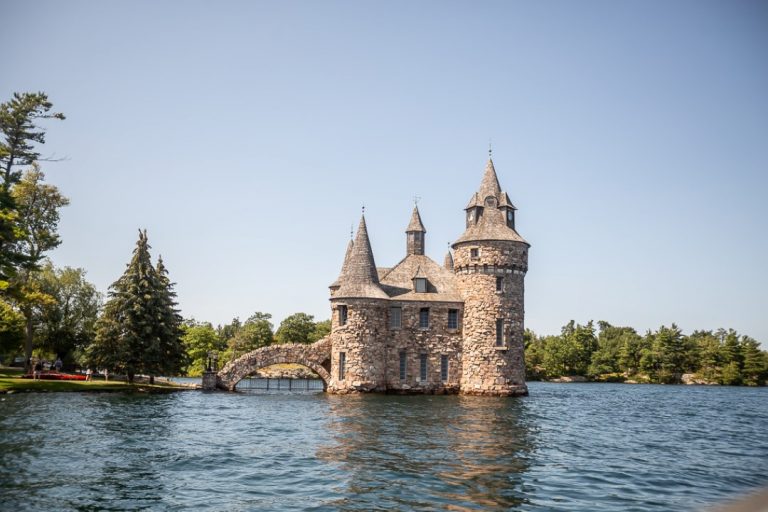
490	262
421	327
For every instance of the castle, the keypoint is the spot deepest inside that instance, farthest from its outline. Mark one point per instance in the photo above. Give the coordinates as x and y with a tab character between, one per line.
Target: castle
421	327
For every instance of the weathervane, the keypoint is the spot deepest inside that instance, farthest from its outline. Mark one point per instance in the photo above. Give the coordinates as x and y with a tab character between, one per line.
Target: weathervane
416	200
490	148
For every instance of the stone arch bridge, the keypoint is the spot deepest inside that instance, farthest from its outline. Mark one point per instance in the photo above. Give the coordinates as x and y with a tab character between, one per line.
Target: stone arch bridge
316	357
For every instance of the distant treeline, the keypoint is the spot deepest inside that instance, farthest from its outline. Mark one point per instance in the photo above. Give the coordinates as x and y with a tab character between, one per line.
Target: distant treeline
611	353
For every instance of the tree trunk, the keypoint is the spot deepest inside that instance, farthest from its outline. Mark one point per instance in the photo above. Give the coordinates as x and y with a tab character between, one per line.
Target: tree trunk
151	379
28	341
130	378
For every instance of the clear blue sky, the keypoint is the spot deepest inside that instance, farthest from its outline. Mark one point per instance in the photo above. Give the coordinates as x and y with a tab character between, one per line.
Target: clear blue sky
245	136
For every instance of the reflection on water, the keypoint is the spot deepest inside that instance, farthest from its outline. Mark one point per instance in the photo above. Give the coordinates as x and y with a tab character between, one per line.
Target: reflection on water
462	453
565	447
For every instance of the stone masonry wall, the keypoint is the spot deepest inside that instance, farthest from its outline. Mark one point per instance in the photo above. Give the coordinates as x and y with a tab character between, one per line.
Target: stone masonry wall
361	339
435	341
488	369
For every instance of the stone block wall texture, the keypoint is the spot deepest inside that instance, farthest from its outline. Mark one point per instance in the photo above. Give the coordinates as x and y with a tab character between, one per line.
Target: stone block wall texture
361	339
488	369
435	341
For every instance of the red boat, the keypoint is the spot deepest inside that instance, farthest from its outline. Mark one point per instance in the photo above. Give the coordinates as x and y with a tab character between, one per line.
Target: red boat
55	376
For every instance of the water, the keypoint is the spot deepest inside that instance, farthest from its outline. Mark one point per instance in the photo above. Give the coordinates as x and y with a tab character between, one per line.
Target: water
589	447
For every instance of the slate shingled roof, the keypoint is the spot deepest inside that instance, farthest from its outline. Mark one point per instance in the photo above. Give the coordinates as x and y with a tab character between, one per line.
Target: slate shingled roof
415	224
441	283
344	266
492	225
360	279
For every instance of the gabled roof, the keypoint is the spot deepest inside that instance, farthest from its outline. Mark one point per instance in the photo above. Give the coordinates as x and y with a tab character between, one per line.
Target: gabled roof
415	224
504	201
398	282
360	279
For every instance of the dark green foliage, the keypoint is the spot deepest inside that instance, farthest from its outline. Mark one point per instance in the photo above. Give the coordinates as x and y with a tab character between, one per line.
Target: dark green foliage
140	330
20	133
66	324
662	356
11	330
200	340
255	333
322	329
297	328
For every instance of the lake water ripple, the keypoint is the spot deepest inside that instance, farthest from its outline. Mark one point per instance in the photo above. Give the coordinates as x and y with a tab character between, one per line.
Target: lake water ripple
566	447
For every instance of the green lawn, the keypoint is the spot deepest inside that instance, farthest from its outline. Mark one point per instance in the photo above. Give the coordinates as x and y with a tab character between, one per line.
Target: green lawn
10	380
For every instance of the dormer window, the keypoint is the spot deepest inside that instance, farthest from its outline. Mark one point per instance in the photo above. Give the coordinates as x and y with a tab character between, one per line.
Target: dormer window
420	284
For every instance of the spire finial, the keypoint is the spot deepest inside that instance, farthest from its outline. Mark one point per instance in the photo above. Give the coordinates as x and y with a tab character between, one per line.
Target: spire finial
490	148
363	209
351	231
416	200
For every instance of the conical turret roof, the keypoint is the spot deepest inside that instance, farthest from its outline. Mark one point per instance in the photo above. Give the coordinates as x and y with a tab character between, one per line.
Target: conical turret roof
415	224
448	262
359	278
492	225
490	184
344	265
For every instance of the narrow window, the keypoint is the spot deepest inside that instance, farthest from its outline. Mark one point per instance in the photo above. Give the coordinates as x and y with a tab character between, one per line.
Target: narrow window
421	285
474	253
499	332
342	315
444	368
423	367
424	318
395	316
453	318
499	284
402	365
342	365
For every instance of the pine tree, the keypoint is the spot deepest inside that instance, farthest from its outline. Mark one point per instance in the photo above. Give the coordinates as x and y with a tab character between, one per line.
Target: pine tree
172	354
140	329
754	361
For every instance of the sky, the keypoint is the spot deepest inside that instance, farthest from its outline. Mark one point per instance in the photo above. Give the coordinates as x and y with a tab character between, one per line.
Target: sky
247	136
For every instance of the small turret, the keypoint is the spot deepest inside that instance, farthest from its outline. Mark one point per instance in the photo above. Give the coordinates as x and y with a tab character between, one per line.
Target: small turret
415	233
448	263
359	277
337	283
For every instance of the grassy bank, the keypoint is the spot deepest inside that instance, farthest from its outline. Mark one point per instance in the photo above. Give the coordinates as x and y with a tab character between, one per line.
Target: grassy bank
11	382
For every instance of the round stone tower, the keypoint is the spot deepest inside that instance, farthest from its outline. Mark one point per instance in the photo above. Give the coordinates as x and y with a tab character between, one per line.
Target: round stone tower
358	322
490	261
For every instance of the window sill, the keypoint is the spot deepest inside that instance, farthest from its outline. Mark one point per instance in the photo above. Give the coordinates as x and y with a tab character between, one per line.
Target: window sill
502	348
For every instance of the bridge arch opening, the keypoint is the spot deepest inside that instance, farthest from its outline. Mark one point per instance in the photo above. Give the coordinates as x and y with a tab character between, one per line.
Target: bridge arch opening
316	357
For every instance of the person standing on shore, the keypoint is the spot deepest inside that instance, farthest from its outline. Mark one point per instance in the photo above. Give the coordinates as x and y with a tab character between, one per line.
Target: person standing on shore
58	364
88	374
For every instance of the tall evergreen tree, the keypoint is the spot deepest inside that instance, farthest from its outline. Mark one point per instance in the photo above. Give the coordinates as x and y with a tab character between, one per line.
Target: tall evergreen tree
19	132
140	329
